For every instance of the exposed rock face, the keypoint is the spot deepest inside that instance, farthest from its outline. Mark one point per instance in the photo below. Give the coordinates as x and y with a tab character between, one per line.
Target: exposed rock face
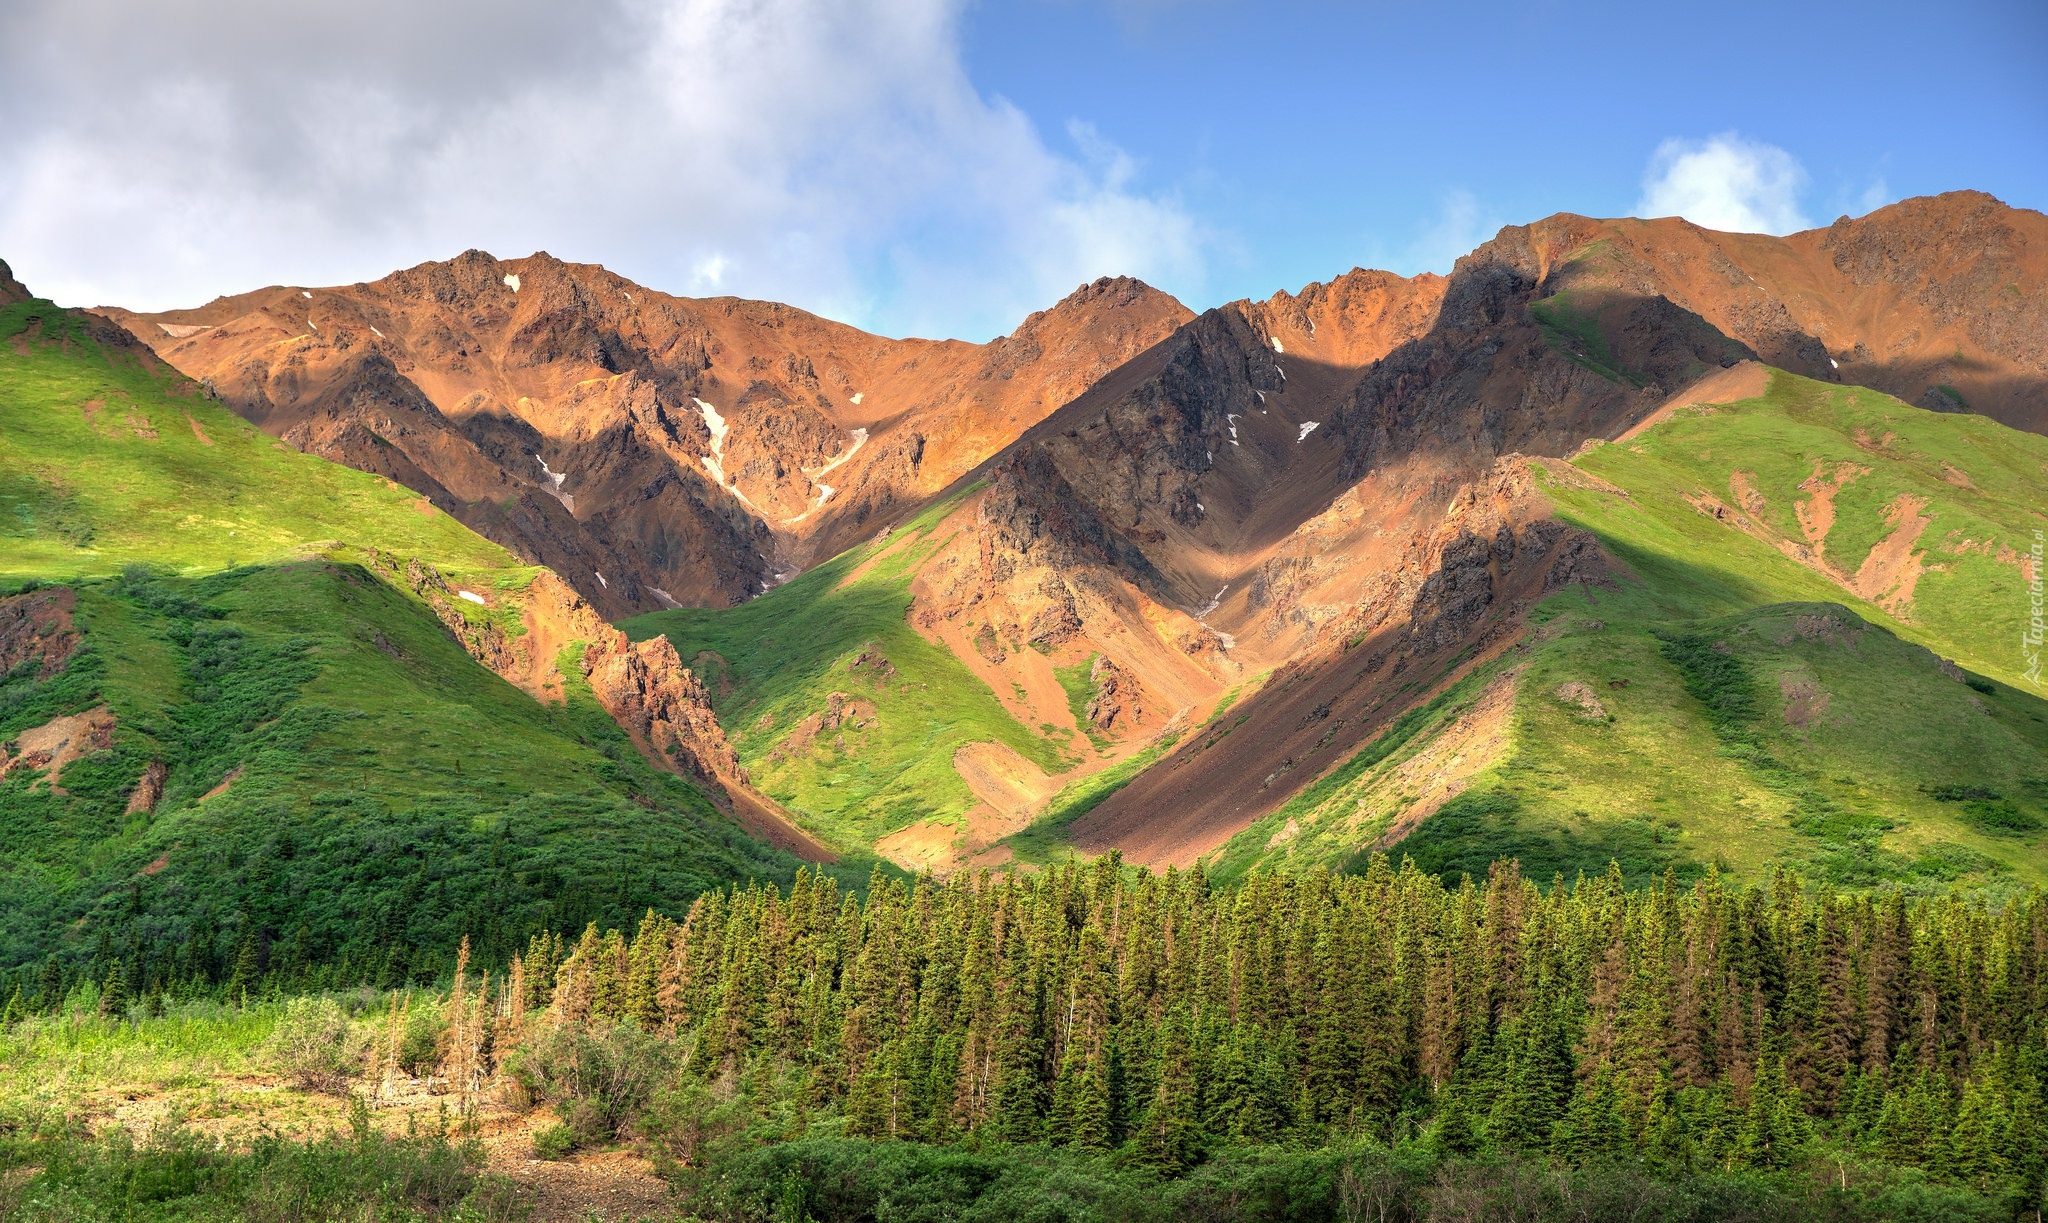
149	789
647	690
1940	300
36	628
1453	599
653	450
1276	482
1275	465
1118	703
49	748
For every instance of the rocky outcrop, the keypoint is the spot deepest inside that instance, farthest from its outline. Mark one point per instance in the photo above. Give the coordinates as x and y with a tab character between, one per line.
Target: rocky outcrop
36	631
648	691
149	789
1032	516
644	686
482	638
1118	703
49	748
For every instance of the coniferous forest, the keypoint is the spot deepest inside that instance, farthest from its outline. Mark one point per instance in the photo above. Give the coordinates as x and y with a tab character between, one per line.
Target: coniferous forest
1139	1045
1166	1026
1679	1028
1081	1008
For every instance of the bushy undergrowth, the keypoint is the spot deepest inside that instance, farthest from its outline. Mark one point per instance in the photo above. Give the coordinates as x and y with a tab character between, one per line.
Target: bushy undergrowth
178	1174
1471	830
837	1180
599	1078
314	1044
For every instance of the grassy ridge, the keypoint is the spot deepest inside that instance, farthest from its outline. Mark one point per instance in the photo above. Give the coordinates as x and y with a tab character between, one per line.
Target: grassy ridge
775	661
384	794
1978	481
1751	711
109	457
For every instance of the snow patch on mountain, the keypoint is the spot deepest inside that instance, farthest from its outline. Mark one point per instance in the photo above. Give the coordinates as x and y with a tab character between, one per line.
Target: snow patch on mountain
715	461
552	484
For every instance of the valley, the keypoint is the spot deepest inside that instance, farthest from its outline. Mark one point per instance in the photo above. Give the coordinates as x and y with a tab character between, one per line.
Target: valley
1017	749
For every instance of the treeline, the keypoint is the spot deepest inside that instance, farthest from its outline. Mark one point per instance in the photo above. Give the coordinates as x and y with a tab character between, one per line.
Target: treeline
242	963
1087	1008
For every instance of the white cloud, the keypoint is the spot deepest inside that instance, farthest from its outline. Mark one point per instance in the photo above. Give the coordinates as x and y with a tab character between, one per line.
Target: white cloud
1725	183
1875	196
707	274
1460	225
832	153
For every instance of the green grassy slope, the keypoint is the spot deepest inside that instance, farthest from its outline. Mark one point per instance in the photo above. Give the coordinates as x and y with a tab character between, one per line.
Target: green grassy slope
387	793
103	463
777	660
1752	711
1982	485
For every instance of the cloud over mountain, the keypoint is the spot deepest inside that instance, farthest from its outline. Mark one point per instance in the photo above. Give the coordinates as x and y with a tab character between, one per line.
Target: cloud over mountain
1725	183
832	154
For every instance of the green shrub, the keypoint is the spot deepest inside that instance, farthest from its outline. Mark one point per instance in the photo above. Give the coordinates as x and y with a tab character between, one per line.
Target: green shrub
554	1142
598	1078
420	1051
1474	829
839	1180
314	1045
1717	678
2000	818
181	1175
1987	810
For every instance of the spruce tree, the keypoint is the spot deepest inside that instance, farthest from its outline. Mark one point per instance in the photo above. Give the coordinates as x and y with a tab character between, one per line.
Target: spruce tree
2026	1145
1974	1156
1594	1127
1536	1084
1170	1134
1774	1130
870	1103
50	986
1080	1106
114	994
248	971
1454	1133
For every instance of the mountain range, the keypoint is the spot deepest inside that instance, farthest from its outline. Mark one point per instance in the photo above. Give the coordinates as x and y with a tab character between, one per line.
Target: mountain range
553	596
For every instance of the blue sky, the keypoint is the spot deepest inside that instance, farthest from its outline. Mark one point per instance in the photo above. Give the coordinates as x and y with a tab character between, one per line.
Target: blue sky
1313	136
943	167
